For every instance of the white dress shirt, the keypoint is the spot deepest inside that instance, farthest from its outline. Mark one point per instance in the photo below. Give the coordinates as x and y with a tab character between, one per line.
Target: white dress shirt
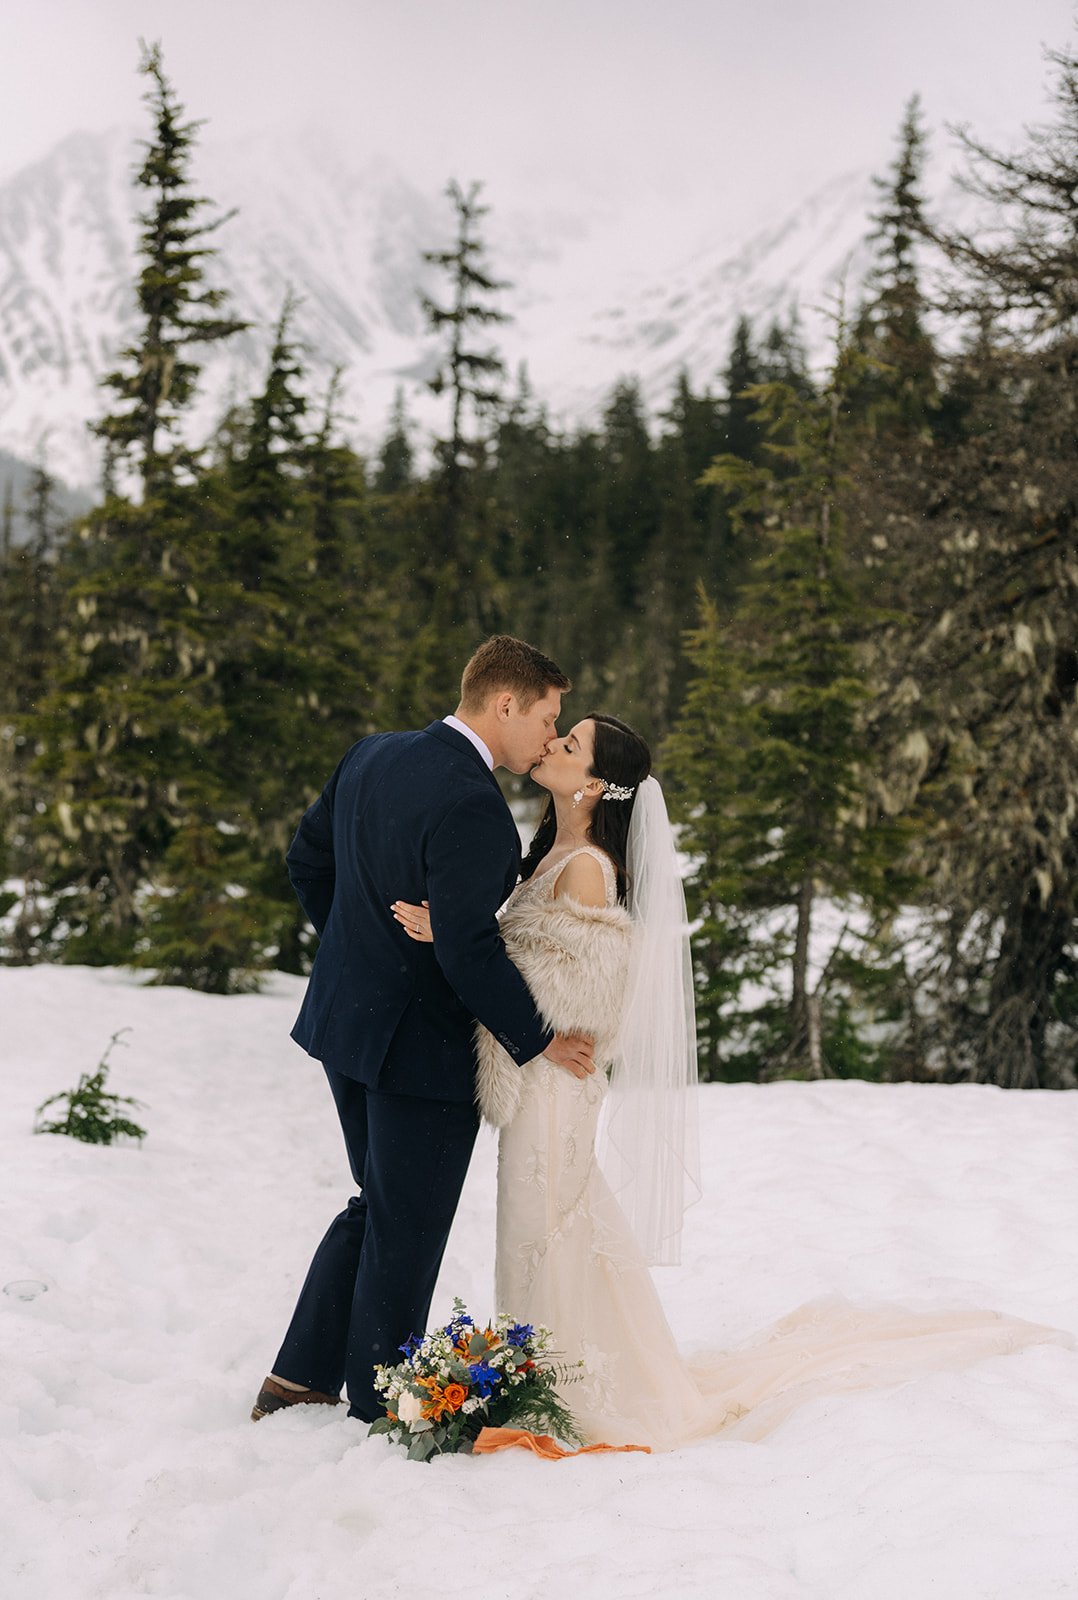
473	738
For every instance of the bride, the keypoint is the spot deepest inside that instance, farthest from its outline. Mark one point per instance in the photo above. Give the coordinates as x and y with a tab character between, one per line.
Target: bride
598	928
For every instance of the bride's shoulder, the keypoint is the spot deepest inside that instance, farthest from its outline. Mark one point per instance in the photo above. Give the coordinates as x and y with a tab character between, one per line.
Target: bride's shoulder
586	877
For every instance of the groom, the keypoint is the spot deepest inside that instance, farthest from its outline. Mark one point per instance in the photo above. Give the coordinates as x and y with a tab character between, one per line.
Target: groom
410	816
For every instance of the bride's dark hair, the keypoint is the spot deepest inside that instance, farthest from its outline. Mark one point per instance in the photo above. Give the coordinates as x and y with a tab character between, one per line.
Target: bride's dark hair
620	756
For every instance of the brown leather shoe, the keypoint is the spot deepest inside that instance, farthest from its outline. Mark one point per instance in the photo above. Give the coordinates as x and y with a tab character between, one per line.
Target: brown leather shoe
273	1396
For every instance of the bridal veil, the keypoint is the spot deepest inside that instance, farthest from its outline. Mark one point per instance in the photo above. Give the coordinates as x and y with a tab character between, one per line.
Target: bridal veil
650	1146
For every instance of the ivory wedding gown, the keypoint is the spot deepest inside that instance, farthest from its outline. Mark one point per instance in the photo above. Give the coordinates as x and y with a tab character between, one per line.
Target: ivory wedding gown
566	1258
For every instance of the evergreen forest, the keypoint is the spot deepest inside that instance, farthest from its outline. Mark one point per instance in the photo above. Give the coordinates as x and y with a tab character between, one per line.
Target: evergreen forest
840	601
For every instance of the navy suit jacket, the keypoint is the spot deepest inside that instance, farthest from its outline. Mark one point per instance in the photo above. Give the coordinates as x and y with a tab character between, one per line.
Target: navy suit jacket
410	816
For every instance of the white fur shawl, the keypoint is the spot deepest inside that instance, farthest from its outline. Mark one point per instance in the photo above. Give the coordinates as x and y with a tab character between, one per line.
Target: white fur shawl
575	960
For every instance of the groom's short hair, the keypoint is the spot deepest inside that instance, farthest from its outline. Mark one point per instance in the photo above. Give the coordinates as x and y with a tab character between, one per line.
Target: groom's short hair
507	663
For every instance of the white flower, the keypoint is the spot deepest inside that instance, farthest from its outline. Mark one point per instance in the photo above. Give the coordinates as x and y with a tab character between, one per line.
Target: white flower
409	1408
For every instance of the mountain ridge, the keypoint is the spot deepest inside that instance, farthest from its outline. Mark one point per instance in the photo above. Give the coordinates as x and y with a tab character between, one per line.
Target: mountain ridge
347	237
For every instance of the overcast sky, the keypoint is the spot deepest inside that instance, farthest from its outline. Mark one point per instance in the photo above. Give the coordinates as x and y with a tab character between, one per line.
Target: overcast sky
666	100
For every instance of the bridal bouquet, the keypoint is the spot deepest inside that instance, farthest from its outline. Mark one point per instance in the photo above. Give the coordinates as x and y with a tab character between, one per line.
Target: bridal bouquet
460	1379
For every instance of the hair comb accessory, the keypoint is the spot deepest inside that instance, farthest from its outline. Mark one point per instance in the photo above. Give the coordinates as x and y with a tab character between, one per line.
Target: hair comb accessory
617	791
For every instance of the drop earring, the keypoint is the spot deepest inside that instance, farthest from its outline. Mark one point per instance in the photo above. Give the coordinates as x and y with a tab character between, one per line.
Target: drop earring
577	798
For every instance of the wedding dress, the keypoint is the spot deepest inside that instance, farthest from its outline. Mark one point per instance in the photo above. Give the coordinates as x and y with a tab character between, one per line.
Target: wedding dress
567	1258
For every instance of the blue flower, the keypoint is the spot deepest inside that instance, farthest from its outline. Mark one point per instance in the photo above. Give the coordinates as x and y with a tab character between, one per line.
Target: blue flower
452	1329
520	1332
410	1346
484	1379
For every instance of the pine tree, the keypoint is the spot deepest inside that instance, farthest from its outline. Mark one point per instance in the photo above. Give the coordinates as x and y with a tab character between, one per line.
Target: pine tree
264	469
575	611
396	459
743	432
134	701
180	313
335	489
346	622
900	384
220	899
695	532
34	628
782	355
28	619
730	549
691	528
797	819
630	490
470	374
131	705
897	395
993	675
7	519
525	551
701	761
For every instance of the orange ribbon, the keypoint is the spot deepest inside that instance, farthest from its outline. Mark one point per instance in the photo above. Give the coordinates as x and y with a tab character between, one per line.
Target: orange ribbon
541	1444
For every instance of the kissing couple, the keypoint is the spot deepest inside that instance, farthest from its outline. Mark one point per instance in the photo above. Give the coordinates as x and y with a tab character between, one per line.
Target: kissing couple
427	1011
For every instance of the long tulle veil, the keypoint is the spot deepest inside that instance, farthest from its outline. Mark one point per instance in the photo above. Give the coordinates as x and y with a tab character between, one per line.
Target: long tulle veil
650	1148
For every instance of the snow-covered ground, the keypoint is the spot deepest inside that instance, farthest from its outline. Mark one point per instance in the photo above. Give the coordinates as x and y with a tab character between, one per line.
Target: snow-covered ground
128	1465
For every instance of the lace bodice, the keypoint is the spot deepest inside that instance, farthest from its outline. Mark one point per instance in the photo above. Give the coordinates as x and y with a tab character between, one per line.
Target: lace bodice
540	886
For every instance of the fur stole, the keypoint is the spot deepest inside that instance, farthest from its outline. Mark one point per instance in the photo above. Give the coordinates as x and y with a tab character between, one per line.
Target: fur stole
575	961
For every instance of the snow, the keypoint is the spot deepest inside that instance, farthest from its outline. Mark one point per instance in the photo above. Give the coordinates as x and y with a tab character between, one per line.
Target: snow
129	1466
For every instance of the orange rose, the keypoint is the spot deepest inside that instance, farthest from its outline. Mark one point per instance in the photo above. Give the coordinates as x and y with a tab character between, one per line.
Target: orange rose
455	1395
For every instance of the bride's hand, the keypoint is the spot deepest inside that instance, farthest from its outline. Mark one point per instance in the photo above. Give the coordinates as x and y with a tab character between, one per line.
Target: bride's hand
415	920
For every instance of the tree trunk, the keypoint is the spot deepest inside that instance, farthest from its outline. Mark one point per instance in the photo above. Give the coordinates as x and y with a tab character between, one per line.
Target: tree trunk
1033	948
803	1052
799	989
815	1037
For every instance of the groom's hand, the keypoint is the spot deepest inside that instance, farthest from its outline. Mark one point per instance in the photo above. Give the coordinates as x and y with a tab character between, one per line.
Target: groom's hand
572	1051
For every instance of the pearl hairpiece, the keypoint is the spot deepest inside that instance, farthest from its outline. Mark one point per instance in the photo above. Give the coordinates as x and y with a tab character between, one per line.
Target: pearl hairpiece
617	791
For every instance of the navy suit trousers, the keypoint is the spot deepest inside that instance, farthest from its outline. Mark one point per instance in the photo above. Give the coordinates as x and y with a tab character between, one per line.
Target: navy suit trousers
372	1277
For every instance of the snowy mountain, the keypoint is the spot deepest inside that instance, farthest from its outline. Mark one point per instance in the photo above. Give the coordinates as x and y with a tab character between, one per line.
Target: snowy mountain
592	299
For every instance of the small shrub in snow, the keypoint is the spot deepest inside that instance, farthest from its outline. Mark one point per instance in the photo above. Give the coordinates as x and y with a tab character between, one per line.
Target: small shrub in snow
92	1113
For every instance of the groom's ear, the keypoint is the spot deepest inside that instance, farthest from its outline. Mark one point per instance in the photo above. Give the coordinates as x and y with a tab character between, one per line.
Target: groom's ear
502	704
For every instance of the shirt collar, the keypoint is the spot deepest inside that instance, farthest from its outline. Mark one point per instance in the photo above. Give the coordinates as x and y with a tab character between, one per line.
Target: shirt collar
473	738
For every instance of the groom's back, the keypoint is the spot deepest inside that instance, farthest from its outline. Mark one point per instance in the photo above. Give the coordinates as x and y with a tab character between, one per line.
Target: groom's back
378	1006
